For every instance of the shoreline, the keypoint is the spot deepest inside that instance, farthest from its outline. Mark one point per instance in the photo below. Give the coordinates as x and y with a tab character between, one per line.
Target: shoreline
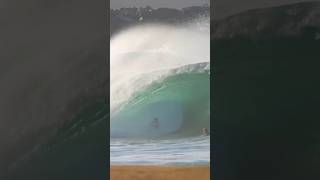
143	172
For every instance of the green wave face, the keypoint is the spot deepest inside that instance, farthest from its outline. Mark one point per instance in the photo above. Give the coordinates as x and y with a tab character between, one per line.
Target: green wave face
180	102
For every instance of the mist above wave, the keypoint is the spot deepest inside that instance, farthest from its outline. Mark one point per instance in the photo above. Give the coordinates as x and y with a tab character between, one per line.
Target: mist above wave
144	54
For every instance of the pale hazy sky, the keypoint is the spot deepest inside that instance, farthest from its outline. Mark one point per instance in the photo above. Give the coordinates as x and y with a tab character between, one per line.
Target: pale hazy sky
222	8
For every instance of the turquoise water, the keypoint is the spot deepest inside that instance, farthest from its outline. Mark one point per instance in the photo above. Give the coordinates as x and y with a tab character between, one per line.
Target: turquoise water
181	104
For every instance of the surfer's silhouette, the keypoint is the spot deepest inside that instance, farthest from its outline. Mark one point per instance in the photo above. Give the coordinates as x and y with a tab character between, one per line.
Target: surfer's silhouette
205	132
155	123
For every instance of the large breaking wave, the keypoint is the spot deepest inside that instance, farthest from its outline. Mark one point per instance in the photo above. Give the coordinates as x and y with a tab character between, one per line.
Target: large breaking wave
160	72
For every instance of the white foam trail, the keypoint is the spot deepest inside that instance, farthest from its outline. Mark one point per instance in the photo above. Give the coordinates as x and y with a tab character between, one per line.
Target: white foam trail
143	54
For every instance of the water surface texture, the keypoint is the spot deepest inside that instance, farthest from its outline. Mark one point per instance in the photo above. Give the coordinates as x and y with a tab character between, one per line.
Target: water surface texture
181	152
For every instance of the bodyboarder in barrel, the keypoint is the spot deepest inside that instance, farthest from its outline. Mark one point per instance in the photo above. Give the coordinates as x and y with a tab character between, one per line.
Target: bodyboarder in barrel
155	123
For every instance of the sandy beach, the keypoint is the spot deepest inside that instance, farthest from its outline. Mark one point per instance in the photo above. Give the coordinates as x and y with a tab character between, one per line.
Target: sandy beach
159	173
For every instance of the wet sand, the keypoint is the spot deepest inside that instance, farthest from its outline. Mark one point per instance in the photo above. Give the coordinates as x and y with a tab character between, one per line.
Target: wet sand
159	173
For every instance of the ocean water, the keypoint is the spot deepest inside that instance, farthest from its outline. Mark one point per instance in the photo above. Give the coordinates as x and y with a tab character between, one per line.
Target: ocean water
160	73
170	152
